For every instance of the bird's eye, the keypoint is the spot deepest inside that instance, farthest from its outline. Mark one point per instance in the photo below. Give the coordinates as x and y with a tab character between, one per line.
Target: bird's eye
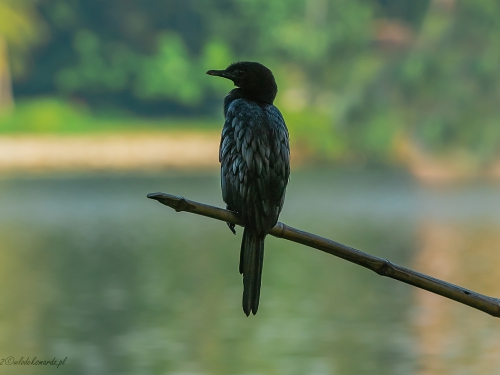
239	73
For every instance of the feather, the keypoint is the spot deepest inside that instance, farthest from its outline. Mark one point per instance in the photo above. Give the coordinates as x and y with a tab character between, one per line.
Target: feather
238	139
241	188
225	130
240	131
243	152
234	122
265	207
235	165
258	163
248	156
226	144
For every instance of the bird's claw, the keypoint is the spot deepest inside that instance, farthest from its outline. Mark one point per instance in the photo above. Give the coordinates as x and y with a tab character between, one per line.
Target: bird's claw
231	227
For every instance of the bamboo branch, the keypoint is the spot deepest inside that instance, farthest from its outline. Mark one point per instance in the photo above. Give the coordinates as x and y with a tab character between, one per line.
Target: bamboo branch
381	266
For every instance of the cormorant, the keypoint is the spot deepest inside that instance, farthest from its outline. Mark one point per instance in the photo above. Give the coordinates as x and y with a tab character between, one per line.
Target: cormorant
255	165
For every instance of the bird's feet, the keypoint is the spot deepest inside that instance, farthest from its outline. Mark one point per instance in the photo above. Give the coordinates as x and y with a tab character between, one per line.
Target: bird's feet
231	227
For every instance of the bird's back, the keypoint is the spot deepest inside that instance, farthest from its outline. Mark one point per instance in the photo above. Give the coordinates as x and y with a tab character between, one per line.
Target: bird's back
255	162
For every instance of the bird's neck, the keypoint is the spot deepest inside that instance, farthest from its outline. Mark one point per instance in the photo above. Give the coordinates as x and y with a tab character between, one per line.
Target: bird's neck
259	96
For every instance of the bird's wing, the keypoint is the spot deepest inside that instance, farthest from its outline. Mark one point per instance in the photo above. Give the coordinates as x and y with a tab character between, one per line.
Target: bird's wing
279	161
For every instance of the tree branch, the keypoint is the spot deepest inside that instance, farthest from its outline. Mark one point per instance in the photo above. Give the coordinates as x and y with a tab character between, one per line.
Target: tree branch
381	266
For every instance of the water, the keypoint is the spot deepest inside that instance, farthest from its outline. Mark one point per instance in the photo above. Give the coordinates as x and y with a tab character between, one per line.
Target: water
93	271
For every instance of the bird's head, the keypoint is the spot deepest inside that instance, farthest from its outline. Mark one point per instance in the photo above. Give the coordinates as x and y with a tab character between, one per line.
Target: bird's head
255	81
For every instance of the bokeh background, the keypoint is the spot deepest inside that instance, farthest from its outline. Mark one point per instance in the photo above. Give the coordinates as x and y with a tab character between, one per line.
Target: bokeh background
392	107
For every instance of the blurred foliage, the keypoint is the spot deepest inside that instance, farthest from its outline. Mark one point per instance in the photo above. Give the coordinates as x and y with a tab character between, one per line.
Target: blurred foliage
356	76
443	92
53	116
20	27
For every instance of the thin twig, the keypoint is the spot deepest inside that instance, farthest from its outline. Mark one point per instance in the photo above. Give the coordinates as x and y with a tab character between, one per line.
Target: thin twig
381	266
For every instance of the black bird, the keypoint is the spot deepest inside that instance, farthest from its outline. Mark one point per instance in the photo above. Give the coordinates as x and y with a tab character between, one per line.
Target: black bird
255	165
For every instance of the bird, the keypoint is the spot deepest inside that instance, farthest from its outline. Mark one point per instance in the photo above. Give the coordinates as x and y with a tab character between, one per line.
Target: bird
254	155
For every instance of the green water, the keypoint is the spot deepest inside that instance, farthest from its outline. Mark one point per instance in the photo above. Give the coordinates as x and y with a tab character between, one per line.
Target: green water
93	271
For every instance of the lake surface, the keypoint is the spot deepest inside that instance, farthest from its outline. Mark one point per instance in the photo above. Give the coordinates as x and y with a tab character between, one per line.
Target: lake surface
93	271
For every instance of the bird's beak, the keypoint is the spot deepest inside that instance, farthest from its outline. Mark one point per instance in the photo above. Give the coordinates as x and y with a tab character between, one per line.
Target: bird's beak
220	73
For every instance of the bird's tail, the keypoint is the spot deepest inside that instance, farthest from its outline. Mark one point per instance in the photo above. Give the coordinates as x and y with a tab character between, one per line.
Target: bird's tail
251	260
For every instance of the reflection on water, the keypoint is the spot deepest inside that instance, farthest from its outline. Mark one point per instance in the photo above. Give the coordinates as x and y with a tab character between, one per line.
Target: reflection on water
457	340
93	271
